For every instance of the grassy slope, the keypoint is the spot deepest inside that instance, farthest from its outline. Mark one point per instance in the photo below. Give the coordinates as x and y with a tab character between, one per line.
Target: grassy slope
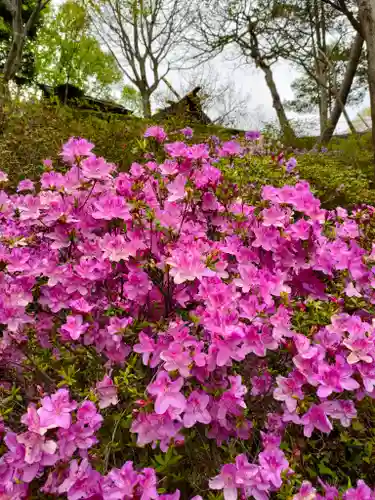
35	133
343	176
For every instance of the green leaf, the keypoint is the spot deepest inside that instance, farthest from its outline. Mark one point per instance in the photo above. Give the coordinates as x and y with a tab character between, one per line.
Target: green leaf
323	469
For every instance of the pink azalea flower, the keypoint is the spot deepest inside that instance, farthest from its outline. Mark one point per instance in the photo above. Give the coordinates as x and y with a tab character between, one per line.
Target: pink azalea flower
273	463
226	481
38	449
121	483
198	152
343	410
157	133
261	384
96	168
169	167
109	207
167	393
89	416
207	176
32	421
107	392
231	400
306	492
304	348
123	184
330	492
51	180
136	170
289	390
82	481
258	340
187	265
351	290
75	149
361	348
300	230
147	484
209	202
230	148
152	427
361	492
176	149
248	277
367	372
176	188
146	347
316	418
74	327
56	409
176	358
196	409
81	305
335	378
117	247
137	286
266	237
274	216
25	185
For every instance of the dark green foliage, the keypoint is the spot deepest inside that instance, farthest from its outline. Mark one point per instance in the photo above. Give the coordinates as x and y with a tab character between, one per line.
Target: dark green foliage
27	68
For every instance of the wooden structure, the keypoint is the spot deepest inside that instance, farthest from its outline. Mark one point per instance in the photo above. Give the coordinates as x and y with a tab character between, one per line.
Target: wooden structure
75	97
189	107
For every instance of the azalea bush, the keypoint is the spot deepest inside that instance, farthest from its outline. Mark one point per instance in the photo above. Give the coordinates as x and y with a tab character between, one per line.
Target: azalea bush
162	337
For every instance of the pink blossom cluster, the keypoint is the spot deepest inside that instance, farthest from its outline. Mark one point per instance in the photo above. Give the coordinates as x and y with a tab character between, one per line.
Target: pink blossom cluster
52	438
88	254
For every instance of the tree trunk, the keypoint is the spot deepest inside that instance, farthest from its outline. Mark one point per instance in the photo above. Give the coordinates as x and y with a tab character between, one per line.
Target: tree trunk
344	91
14	57
285	126
367	19
146	104
349	122
318	20
323	104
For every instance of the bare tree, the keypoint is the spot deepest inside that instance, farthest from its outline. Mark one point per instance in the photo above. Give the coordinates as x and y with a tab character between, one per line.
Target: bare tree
144	36
220	98
244	25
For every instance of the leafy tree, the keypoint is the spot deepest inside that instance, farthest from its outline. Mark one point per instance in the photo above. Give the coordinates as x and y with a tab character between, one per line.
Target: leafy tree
26	69
131	99
68	53
308	90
